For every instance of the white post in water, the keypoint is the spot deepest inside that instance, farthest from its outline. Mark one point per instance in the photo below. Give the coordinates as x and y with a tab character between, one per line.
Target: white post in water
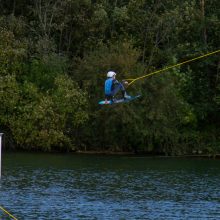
1	134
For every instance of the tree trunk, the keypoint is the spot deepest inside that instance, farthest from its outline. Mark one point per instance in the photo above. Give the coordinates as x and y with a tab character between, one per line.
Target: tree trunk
202	2
13	9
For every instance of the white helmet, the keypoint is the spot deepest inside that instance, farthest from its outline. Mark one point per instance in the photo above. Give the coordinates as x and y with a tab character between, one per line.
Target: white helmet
110	74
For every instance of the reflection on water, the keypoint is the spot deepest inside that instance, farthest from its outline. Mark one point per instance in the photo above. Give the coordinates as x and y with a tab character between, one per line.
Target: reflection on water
43	186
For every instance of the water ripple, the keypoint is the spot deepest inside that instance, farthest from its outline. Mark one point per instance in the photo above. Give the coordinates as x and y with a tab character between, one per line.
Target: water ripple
110	188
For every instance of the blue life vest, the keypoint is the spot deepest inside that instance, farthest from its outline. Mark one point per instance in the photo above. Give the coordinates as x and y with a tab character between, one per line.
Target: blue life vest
108	86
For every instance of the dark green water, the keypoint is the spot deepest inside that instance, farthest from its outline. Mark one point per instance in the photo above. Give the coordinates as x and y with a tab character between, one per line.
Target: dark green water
44	186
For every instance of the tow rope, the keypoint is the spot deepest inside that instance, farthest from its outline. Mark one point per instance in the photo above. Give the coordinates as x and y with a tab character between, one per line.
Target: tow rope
170	67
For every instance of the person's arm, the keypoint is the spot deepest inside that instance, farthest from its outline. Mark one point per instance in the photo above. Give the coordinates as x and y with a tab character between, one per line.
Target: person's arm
115	82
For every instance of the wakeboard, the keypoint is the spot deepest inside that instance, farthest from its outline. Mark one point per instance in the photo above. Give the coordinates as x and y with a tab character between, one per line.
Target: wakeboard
117	101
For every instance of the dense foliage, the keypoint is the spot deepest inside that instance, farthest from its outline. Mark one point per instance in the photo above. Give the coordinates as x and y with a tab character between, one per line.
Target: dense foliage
54	55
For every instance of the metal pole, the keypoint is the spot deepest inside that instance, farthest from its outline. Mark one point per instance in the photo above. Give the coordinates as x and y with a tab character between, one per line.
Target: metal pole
1	134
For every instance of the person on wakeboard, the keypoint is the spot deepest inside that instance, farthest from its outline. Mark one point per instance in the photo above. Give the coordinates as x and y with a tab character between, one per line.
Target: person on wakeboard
113	86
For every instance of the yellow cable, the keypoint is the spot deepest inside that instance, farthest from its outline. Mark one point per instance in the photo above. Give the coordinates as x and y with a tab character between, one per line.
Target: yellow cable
169	67
10	215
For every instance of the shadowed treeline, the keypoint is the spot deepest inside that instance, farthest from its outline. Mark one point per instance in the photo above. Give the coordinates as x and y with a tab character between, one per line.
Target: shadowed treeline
54	56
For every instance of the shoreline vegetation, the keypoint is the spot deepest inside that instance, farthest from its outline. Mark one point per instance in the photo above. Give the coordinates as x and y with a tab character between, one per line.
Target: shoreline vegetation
54	56
123	153
146	154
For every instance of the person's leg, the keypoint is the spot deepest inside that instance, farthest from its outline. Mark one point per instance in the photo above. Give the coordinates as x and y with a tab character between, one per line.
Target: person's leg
108	97
118	87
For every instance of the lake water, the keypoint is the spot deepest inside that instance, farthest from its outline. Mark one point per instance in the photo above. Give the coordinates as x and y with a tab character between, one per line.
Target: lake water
57	186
